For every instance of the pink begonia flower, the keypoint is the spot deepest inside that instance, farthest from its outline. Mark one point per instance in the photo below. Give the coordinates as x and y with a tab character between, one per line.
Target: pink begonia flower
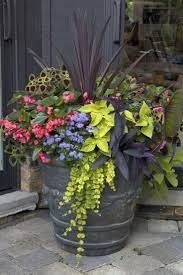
22	135
39	131
28	100
44	158
20	119
158	109
54	123
40	108
49	110
68	96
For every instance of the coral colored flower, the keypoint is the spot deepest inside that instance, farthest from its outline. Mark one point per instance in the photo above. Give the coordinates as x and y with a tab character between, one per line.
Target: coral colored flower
9	126
49	110
40	108
22	135
18	133
54	123
28	100
44	158
20	119
39	131
68	96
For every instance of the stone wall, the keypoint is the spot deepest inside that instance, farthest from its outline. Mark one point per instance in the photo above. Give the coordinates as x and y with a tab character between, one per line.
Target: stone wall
31	181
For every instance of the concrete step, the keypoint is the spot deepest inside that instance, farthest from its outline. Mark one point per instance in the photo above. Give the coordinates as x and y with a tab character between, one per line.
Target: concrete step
16	202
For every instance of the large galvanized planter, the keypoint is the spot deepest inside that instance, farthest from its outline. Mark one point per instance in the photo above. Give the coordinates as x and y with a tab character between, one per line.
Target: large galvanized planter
106	232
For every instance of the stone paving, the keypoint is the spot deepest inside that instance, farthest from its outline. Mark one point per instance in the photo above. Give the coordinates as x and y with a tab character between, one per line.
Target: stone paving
29	247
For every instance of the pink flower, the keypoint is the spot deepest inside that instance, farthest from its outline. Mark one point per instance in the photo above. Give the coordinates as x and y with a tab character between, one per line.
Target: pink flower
68	96
9	126
44	158
54	123
158	109
28	100
49	110
20	119
85	96
39	131
40	108
22	135
166	93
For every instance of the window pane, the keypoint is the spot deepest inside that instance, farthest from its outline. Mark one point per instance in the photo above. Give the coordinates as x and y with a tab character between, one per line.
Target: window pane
157	25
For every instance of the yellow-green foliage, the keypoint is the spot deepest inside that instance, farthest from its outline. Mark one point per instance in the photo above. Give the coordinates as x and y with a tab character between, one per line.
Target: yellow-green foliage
145	121
102	117
84	192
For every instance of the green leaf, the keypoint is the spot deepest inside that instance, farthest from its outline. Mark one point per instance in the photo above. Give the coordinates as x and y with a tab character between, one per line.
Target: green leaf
142	122
172	178
89	108
178	158
95	118
14	115
40	118
148	130
89	145
16	96
174	114
103	145
159	178
145	110
129	116
35	153
49	101
102	130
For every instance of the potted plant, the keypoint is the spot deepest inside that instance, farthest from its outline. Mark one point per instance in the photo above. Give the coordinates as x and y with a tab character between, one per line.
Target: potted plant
100	138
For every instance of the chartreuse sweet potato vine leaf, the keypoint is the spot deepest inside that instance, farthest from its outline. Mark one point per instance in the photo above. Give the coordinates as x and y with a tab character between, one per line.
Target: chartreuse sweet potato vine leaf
102	117
145	121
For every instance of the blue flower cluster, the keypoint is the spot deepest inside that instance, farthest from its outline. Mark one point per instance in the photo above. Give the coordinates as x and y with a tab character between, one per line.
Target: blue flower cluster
67	144
78	120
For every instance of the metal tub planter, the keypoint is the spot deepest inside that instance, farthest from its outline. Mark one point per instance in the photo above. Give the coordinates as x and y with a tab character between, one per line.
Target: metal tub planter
106	231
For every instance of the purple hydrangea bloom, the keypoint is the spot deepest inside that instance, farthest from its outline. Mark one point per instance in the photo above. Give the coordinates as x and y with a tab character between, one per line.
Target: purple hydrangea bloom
79	125
62	156
50	140
58	139
68	133
90	128
80	155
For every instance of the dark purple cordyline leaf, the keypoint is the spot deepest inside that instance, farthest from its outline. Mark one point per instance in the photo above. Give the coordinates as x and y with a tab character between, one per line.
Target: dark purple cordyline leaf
129	69
117	133
110	63
116	54
148	155
87	49
121	164
110	79
100	161
38	59
137	153
128	137
118	105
